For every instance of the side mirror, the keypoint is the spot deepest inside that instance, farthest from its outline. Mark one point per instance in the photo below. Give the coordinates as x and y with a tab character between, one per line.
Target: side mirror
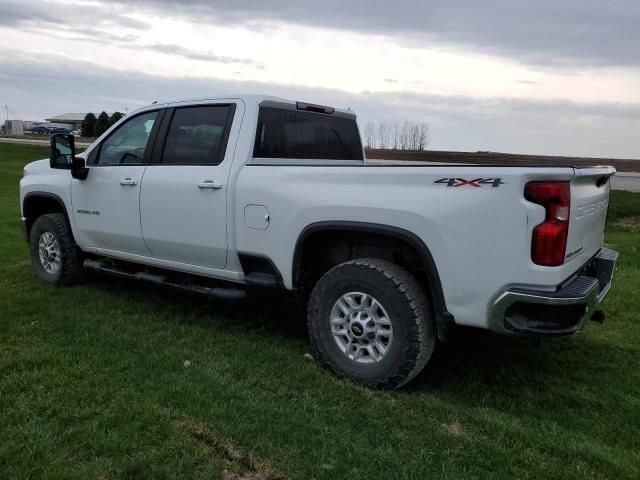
63	156
62	151
78	168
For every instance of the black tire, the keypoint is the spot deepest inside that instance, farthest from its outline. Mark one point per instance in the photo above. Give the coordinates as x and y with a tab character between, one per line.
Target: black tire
70	269
407	306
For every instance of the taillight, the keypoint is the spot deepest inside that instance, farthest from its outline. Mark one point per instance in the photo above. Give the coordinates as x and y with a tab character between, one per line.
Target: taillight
549	241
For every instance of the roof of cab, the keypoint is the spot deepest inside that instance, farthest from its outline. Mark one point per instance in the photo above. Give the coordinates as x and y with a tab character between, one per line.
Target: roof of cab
254	98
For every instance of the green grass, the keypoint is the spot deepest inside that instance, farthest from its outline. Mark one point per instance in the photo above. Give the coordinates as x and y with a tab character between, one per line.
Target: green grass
93	385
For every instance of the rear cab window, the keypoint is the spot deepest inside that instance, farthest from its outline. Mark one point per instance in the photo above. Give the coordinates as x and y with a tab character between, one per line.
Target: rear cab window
289	133
197	135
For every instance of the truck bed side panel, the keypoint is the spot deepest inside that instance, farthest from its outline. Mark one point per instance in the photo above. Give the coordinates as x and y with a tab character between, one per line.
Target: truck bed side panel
474	220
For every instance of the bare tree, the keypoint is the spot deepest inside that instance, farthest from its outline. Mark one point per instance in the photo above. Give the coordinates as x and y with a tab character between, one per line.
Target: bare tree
415	136
405	135
396	135
422	136
384	135
370	135
380	136
412	136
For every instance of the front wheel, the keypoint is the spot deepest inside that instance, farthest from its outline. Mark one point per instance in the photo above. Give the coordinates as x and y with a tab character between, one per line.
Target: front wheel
370	321
54	254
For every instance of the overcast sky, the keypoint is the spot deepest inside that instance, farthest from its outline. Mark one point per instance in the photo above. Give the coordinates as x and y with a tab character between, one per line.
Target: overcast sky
559	77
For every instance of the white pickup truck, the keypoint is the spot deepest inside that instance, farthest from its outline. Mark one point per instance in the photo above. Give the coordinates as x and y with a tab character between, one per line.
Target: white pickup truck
222	195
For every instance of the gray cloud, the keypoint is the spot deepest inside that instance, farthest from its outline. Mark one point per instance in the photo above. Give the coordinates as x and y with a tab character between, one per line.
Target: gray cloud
194	54
133	42
15	14
565	33
40	86
67	17
55	21
562	35
90	35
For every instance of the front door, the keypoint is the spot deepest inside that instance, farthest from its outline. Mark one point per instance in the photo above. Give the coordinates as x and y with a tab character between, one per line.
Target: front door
183	201
106	209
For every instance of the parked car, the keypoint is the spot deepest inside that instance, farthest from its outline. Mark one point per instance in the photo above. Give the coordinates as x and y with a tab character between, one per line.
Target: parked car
41	129
220	196
54	130
49	130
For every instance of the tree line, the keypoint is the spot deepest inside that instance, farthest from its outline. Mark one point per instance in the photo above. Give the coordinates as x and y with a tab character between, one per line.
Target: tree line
405	135
93	126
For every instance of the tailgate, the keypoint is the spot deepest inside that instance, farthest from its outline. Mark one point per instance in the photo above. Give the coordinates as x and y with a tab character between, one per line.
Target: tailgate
590	189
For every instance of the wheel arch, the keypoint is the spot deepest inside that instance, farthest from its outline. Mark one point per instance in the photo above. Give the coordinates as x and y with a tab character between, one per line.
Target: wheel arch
36	204
444	319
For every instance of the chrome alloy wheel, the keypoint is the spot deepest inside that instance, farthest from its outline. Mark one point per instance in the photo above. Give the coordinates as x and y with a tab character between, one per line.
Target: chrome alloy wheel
361	327
49	252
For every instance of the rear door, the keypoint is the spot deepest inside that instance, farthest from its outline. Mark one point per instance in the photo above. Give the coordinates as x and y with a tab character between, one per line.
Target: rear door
183	202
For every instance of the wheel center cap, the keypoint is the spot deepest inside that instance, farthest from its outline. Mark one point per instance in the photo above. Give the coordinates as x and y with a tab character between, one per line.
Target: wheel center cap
46	254
357	329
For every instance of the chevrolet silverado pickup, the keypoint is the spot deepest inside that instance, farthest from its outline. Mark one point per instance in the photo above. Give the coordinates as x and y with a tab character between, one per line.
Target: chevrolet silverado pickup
225	195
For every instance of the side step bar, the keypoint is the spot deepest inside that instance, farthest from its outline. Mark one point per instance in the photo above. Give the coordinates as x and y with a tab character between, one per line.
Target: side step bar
214	293
257	279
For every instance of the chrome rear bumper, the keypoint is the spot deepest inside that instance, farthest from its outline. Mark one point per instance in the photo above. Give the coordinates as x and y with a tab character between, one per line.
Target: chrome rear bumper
561	312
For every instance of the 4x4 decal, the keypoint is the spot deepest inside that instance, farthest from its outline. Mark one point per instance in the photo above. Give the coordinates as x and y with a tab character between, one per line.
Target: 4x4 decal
476	182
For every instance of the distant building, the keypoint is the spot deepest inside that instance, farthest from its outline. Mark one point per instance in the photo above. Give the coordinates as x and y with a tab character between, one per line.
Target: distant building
14	128
68	120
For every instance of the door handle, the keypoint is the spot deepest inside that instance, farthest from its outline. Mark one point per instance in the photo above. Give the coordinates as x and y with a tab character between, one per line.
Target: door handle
209	184
128	181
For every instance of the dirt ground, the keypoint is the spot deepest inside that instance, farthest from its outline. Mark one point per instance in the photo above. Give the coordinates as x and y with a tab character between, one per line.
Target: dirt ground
494	158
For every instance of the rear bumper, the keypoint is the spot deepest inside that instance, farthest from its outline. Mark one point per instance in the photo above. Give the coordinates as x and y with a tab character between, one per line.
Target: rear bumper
561	312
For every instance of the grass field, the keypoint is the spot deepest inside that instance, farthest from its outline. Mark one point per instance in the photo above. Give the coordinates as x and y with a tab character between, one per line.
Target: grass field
93	384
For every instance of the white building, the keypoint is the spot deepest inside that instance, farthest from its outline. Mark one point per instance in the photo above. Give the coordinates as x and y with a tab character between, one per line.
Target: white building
14	128
68	120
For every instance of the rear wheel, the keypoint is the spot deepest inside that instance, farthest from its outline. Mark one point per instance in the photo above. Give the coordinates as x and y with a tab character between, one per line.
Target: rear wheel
370	321
54	254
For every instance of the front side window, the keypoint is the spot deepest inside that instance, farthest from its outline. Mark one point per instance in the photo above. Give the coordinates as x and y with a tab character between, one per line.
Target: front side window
128	144
198	135
295	134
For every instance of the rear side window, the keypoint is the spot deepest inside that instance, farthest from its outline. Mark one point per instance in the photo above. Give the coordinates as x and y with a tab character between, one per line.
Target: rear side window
198	135
306	135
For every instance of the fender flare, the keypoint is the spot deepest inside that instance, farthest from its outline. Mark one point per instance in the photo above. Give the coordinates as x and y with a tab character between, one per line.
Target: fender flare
444	319
50	196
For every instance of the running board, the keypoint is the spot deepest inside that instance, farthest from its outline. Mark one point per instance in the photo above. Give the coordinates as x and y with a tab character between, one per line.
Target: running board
258	279
214	293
